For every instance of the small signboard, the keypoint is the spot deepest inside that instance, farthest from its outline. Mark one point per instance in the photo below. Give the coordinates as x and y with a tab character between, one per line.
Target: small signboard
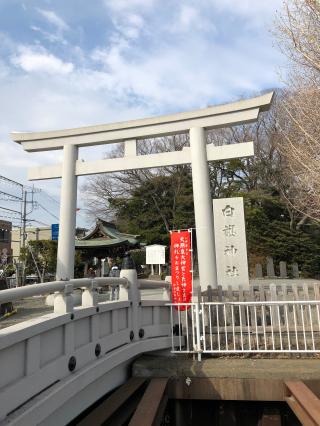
181	274
155	254
230	241
55	231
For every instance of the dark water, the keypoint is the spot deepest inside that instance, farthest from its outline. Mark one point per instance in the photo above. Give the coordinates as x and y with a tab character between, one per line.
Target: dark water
225	413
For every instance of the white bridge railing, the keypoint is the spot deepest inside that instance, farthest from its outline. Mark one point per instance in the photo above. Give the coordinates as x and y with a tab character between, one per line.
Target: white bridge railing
54	366
246	327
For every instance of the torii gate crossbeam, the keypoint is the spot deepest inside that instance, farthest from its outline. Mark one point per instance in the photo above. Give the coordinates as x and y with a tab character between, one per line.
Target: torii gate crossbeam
194	122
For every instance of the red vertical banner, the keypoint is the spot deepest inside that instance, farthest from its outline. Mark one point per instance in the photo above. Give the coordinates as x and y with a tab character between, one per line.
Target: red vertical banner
181	274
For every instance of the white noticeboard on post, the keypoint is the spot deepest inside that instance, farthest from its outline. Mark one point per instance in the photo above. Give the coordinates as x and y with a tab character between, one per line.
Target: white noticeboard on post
230	241
155	254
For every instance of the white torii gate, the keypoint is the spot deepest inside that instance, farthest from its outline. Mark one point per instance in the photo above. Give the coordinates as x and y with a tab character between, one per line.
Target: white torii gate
199	153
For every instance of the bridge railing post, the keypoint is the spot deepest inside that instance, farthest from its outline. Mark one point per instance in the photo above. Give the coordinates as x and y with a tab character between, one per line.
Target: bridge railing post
63	300
124	290
90	295
132	292
166	293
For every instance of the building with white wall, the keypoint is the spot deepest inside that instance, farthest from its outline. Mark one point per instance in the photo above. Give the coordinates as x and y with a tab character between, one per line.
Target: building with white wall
33	233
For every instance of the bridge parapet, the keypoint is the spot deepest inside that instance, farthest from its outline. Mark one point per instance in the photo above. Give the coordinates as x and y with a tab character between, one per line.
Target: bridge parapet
74	346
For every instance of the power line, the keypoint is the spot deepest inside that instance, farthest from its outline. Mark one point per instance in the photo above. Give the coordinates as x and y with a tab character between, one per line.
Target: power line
10	210
13	193
10	214
31	188
9	217
21	216
38	221
9	197
46	210
50	197
10	181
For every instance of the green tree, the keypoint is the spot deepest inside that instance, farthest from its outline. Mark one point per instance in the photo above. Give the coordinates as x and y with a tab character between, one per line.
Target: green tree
269	234
159	205
41	259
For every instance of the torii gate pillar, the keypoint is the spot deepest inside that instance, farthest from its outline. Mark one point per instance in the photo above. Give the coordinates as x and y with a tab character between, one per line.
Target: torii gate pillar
203	209
68	205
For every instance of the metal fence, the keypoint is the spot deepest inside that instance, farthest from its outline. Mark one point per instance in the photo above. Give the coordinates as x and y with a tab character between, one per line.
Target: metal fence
185	320
247	327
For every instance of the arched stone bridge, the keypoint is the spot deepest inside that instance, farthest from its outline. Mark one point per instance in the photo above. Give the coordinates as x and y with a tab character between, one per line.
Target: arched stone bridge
55	366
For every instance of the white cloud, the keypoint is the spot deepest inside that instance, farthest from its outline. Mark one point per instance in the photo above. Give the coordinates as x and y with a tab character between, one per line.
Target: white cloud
248	7
32	102
128	27
4	70
183	64
127	16
184	76
52	37
54	19
256	12
58	24
190	18
37	59
155	59
135	20
188	15
123	6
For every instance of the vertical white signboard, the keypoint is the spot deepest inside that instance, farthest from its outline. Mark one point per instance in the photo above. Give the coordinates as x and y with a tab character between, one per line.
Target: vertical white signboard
230	239
155	255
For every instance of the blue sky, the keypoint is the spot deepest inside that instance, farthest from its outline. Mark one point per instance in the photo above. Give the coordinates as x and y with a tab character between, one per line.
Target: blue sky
67	63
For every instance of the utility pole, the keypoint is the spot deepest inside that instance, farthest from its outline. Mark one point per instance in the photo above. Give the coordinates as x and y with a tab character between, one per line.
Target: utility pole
24	196
24	235
17	193
24	219
12	191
